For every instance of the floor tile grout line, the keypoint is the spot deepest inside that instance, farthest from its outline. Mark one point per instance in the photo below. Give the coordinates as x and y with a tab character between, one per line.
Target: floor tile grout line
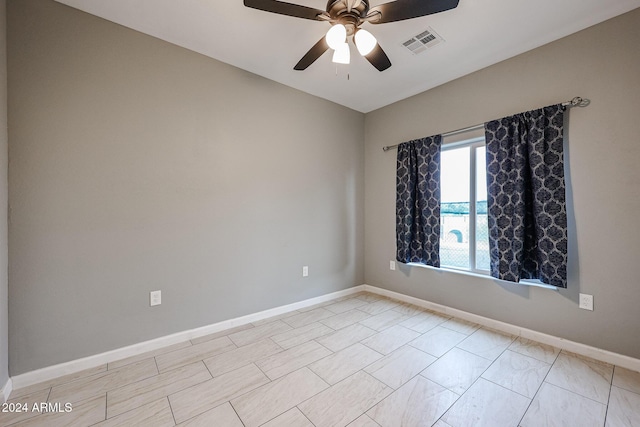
58	385
571	391
152	353
626	389
270	336
606	410
304	415
333	385
475	381
374	421
303	342
586	359
370	407
533	357
268	421
174	391
513	391
463	333
208	370
273	341
261	370
494	361
26	419
419	374
175	422
438	358
253	362
459	396
161	373
233	398
236	412
491	360
382	356
323	346
205	356
576	393
428	330
110	389
278	379
157	367
272	319
540	387
146	403
217	334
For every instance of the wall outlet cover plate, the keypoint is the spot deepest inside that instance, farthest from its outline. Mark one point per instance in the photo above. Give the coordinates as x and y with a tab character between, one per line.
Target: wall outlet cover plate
155	298
586	302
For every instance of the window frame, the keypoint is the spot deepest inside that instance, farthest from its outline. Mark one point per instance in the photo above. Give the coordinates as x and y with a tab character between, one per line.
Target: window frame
473	143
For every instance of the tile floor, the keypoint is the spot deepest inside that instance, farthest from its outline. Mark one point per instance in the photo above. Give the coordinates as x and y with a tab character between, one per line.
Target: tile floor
358	361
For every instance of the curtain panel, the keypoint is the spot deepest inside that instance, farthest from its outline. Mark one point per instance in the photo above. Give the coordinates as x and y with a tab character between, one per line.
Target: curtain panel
418	201
527	212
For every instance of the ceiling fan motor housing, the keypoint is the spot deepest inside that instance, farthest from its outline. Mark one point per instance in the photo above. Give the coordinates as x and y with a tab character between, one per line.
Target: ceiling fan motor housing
350	17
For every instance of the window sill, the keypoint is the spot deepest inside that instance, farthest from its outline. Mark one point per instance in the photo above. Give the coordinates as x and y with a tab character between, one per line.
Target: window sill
535	283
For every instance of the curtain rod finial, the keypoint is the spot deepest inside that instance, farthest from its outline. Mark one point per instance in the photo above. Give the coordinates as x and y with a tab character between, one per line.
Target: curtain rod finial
578	102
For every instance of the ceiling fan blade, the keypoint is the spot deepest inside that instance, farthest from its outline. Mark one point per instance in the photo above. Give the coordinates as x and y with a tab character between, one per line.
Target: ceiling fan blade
288	9
400	10
378	58
314	53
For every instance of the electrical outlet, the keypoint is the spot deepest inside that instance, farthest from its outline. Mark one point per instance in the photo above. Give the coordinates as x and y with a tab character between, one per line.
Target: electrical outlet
586	301
392	265
305	271
155	298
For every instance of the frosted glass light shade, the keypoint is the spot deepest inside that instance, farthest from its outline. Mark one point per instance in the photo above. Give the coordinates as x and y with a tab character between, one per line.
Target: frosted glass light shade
336	36
342	54
365	42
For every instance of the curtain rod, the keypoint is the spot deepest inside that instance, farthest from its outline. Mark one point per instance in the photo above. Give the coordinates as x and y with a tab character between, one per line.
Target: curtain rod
575	102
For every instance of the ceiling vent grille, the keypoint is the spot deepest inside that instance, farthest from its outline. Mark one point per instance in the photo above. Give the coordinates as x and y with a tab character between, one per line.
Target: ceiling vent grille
423	41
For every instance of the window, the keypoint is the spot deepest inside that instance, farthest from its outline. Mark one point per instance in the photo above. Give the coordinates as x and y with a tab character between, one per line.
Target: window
464	234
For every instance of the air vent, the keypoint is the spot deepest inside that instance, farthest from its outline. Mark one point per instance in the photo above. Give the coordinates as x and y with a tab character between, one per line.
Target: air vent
423	41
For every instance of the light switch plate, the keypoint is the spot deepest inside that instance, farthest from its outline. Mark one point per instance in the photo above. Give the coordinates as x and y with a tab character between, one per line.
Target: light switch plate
392	265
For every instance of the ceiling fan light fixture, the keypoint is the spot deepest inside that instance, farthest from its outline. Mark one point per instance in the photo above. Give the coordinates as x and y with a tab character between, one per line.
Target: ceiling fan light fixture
336	36
342	54
365	42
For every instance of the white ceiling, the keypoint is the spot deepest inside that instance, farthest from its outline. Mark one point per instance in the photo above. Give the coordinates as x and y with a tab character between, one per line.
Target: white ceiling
477	33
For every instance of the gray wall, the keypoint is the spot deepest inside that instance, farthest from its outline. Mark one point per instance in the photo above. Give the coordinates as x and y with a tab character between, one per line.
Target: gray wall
137	165
601	63
4	192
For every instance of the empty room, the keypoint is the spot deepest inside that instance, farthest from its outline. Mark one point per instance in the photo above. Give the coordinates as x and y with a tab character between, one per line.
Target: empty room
309	214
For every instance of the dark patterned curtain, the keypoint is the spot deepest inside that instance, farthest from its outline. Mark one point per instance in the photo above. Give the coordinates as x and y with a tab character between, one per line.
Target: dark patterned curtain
526	197
418	201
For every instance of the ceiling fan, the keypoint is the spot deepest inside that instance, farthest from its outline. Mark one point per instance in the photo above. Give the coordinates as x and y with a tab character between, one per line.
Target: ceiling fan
346	17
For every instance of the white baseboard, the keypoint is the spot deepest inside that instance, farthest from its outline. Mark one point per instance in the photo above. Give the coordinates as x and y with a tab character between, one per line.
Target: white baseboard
51	372
55	371
564	344
6	391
